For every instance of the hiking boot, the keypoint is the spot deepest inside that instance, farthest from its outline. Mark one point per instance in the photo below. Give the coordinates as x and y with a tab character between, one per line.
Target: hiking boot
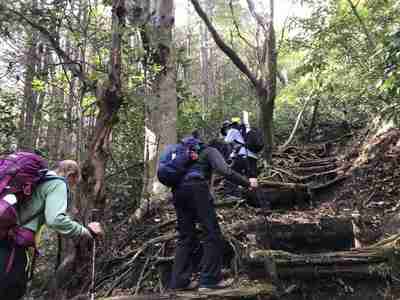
223	284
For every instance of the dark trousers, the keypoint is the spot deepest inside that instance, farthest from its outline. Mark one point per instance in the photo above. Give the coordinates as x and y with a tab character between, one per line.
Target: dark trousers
246	166
12	284
194	203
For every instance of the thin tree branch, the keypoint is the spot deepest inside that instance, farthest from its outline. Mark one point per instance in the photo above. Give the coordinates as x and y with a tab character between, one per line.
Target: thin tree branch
237	27
362	24
75	68
296	126
281	77
282	34
258	18
263	24
223	46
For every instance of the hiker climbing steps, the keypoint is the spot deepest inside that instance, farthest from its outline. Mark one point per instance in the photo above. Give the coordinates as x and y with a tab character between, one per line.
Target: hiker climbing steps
204	131
284	239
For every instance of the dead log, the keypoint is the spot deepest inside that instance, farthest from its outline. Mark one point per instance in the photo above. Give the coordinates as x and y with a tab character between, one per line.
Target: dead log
329	234
264	291
317	162
356	264
279	197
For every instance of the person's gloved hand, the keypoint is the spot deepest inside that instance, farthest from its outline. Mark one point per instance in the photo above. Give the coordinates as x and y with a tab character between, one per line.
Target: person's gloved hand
253	183
96	229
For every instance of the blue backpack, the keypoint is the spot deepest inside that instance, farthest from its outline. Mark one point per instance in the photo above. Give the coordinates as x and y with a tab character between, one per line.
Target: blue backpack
175	161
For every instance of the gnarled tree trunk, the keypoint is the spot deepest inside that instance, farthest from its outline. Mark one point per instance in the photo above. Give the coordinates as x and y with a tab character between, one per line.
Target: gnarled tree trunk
109	98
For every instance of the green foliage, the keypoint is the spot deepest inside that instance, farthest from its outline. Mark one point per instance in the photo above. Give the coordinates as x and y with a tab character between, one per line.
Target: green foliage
354	80
126	167
389	85
391	82
38	85
8	117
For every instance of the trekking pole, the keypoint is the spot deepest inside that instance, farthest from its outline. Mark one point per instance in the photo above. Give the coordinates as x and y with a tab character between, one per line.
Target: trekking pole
93	279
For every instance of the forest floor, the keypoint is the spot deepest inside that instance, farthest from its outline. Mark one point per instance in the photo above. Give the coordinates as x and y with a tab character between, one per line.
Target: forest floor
368	193
353	177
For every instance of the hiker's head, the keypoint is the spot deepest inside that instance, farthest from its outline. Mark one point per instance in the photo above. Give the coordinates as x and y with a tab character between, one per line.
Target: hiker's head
235	123
225	127
69	169
194	144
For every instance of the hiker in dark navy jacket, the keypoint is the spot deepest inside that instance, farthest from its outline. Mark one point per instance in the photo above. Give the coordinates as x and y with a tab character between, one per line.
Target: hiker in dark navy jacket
194	203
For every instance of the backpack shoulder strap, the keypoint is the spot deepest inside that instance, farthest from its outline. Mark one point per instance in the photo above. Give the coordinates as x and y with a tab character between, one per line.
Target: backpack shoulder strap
31	218
42	208
52	177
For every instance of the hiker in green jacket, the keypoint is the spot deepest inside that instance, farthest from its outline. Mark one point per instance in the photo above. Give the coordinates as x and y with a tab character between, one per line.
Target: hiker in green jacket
49	207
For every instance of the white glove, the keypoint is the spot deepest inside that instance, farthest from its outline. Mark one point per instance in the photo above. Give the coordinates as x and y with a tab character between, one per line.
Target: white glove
253	183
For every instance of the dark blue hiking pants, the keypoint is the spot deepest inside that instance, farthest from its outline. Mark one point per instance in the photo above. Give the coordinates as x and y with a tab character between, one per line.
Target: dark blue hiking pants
194	203
13	283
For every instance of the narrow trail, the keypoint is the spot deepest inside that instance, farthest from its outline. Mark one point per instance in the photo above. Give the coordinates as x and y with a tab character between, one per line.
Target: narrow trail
298	237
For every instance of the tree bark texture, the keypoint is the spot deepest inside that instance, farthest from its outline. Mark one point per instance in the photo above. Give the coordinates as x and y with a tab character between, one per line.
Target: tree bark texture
55	130
161	102
268	93
28	113
109	99
44	71
313	119
205	60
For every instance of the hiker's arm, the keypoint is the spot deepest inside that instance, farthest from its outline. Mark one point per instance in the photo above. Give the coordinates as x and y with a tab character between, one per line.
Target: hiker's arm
218	164
56	211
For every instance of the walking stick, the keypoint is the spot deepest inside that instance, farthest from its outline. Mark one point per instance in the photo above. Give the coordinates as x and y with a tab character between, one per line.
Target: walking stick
93	279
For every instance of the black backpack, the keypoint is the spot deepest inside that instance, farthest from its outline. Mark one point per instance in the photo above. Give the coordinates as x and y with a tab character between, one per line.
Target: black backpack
254	140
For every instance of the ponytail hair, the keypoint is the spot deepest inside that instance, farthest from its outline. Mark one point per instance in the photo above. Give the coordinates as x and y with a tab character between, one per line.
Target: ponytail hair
67	168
